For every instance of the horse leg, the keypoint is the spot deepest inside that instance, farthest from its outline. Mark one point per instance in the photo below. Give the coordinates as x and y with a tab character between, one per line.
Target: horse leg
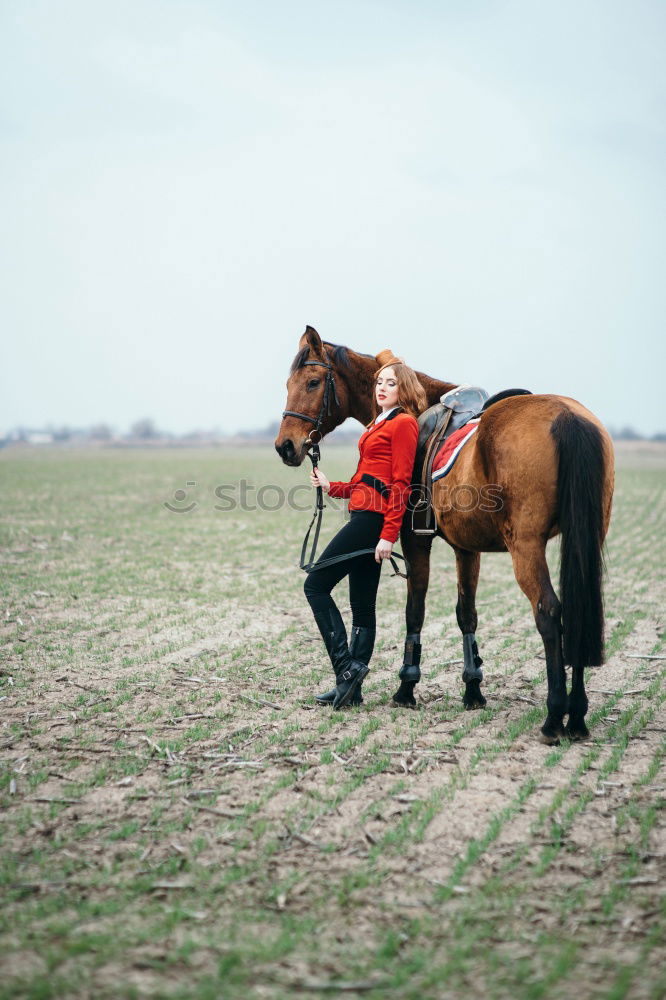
468	565
416	548
531	570
576	728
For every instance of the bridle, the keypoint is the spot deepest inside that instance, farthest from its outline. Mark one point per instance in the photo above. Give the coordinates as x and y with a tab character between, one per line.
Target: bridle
308	563
325	408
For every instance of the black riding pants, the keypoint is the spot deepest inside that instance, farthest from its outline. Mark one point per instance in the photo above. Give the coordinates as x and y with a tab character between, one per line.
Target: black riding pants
362	531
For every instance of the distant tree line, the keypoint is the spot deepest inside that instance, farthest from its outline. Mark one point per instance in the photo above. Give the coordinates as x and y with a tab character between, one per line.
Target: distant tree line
145	431
629	434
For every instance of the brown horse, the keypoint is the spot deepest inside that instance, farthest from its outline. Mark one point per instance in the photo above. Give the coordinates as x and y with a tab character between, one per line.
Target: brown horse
537	466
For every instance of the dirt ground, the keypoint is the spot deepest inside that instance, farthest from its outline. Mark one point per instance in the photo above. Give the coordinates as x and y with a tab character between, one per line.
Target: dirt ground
180	819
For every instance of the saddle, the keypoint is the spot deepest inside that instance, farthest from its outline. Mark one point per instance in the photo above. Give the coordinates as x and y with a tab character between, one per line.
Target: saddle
436	424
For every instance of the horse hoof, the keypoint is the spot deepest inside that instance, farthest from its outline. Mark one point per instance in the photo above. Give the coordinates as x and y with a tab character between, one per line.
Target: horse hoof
404	700
472	704
549	737
404	696
405	704
472	698
577	732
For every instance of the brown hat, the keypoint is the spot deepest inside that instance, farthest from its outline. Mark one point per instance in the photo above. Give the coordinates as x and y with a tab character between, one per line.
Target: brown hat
386	358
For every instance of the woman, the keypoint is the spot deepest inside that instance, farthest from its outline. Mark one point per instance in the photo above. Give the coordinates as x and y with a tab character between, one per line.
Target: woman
378	493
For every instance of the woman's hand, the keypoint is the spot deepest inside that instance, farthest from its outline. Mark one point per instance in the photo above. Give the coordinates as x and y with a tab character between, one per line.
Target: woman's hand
384	550
317	478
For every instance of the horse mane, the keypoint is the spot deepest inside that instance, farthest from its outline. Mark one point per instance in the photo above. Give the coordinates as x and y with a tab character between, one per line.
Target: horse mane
339	356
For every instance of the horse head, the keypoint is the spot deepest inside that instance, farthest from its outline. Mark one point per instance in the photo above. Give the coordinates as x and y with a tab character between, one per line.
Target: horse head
318	395
328	383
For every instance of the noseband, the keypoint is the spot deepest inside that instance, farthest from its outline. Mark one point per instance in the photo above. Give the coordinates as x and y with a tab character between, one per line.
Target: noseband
329	387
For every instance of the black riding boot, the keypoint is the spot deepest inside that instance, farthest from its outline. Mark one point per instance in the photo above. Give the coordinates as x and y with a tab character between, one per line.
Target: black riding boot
328	622
348	673
360	648
348	684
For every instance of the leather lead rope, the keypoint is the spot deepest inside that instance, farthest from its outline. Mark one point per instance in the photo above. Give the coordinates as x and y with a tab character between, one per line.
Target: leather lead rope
310	565
314	455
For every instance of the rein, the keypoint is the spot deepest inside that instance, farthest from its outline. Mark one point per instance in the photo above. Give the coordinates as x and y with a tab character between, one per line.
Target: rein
313	453
310	565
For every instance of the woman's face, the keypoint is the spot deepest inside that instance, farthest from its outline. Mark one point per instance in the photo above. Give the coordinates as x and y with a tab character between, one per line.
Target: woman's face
386	389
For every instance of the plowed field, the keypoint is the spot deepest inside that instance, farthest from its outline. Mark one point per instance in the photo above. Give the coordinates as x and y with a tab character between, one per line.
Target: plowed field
180	820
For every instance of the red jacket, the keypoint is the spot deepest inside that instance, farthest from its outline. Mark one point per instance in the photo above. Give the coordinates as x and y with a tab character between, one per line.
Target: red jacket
384	473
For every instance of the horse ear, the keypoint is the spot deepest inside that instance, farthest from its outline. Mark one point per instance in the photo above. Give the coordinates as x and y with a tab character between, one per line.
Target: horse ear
312	340
384	356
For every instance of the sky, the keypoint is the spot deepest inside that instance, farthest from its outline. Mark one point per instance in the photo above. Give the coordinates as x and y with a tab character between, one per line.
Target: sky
476	184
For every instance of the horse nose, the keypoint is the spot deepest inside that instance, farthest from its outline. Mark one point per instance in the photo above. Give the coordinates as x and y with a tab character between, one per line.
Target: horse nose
286	450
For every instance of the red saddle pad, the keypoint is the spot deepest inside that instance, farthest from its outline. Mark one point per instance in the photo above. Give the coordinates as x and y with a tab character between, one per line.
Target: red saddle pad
448	453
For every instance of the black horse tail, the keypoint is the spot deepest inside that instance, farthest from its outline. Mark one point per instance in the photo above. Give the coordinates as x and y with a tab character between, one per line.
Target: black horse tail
580	505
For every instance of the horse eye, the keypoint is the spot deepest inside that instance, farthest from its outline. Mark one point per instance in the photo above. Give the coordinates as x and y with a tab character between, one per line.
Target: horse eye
313	383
